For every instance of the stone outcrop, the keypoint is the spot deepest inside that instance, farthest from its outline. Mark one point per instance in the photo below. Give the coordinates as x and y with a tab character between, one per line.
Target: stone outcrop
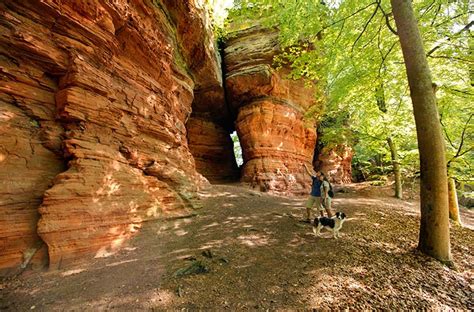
210	122
336	163
113	113
94	100
275	138
212	149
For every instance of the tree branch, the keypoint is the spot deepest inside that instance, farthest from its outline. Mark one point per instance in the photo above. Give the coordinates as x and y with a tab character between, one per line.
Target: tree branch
451	58
450	20
465	28
427	9
461	91
350	15
365	27
436	15
459	152
462	135
446	133
340	30
466	151
387	19
384	57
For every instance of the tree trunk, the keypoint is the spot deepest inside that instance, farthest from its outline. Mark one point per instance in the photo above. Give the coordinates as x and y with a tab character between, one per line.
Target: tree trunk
453	202
396	168
434	224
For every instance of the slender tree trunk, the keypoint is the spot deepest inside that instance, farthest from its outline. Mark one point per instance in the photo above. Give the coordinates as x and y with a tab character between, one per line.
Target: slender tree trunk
396	168
453	202
434	223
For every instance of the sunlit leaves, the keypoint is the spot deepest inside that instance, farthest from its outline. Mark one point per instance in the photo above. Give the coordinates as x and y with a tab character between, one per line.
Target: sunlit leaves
348	47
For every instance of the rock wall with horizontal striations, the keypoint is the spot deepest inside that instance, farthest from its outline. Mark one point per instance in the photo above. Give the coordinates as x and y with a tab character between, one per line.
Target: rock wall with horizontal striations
336	163
276	140
212	149
94	100
210	122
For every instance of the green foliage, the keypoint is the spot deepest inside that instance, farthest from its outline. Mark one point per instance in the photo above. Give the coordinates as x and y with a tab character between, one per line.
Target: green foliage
350	49
237	148
217	19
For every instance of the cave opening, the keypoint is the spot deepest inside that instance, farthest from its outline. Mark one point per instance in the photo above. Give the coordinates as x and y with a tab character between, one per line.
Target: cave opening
237	149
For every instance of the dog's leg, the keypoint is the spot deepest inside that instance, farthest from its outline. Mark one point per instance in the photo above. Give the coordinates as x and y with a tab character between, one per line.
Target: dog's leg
335	233
317	230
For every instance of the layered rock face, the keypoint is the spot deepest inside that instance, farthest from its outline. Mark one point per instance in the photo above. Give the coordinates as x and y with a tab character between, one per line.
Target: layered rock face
208	135
212	149
94	100
276	141
209	125
336	163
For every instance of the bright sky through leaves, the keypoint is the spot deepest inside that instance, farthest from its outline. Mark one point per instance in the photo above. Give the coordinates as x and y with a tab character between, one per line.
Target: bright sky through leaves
220	9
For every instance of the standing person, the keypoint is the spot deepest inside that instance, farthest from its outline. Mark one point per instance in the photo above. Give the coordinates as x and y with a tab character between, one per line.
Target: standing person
325	198
315	196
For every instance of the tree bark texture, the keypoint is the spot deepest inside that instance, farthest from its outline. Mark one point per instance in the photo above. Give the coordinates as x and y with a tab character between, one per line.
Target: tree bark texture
434	223
396	168
453	202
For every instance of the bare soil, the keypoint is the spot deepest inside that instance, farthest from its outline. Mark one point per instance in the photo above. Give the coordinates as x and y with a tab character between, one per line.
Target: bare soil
253	252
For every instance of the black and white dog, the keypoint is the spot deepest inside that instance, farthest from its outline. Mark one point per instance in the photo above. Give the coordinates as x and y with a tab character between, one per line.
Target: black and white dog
333	224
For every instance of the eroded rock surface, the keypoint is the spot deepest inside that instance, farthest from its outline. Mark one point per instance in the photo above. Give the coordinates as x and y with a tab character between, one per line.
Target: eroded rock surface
104	88
276	140
212	149
336	163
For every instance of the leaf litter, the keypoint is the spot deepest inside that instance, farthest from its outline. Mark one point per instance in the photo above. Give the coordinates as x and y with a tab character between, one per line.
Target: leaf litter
255	254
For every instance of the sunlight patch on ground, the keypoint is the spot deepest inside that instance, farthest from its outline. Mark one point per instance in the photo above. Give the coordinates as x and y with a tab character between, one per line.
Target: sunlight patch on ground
214	224
388	247
72	272
179	223
104	253
120	262
254	240
161	298
212	244
180	232
178	251
298	241
221	194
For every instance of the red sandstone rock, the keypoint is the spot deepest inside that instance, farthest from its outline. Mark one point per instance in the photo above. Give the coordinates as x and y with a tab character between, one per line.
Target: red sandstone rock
212	149
336	163
106	87
210	142
30	155
276	140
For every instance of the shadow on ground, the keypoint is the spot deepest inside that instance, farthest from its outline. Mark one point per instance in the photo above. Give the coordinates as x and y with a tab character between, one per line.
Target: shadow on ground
262	257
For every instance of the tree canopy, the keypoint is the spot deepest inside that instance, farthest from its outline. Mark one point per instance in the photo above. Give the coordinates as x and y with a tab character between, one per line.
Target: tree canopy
350	48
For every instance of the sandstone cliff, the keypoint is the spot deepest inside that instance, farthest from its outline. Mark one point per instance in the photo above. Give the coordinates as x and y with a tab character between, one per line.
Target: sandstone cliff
336	163
95	96
113	113
276	140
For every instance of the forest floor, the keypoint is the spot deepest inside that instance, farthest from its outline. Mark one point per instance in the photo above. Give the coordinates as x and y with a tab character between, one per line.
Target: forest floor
250	251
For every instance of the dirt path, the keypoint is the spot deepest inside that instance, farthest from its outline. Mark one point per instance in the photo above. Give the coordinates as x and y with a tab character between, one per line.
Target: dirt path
262	258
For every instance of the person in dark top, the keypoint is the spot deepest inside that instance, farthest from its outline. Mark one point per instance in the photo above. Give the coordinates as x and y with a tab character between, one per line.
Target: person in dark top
325	198
315	196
